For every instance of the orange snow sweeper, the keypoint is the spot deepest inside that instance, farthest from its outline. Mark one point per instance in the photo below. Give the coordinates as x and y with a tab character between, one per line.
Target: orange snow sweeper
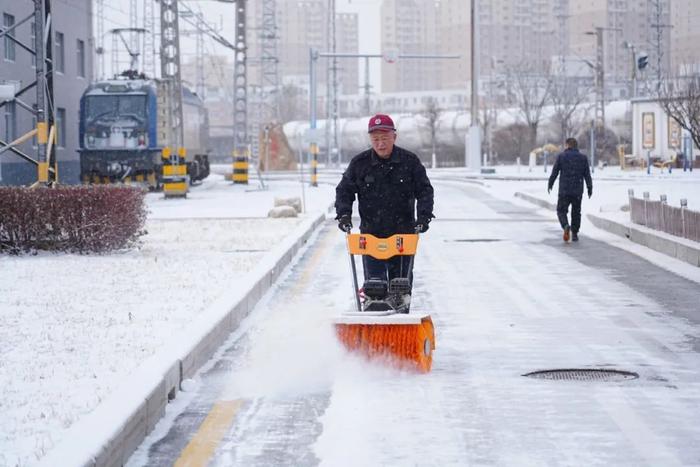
382	326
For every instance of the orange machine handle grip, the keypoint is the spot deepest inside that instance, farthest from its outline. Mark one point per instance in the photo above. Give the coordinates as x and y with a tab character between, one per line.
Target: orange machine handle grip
382	248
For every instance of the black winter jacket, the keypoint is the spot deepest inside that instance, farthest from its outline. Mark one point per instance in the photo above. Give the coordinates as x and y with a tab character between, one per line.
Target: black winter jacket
574	169
387	191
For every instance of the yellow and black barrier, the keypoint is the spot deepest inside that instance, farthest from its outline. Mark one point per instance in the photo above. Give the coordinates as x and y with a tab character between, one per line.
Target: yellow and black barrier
240	166
314	164
175	180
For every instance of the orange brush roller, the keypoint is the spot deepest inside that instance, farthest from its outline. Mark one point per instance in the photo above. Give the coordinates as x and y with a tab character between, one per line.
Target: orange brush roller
405	341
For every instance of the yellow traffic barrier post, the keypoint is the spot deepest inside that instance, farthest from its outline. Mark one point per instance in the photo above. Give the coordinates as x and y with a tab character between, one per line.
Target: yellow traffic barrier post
240	166
314	164
175	180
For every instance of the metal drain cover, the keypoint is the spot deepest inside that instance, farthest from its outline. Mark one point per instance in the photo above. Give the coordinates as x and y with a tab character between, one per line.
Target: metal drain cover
583	374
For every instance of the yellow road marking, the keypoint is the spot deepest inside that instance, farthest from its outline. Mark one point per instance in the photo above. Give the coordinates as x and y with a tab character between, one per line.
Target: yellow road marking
202	446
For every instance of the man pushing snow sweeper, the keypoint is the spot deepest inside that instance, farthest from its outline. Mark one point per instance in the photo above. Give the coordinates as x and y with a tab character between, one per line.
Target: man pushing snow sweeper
395	202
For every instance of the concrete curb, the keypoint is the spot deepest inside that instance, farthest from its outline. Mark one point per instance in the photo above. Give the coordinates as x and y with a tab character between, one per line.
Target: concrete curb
684	250
657	241
123	420
534	200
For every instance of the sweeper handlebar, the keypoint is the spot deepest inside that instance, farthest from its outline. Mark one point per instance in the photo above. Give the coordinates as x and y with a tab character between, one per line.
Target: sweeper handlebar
382	248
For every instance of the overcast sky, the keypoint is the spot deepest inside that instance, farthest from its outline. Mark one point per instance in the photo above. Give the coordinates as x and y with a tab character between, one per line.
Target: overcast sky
221	15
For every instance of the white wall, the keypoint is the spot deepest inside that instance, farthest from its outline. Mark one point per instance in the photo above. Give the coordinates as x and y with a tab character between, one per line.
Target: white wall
661	136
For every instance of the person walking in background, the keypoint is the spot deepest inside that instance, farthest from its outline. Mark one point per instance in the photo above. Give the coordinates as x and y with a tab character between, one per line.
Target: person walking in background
574	169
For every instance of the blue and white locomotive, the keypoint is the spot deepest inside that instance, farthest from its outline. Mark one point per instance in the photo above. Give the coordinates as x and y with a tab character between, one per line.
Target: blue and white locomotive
124	127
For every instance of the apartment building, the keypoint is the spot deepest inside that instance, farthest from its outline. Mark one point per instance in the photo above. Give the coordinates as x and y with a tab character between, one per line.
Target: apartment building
642	24
304	24
512	34
73	55
685	37
411	27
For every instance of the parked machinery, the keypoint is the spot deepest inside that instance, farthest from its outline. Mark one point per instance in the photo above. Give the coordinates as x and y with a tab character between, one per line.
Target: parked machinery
124	129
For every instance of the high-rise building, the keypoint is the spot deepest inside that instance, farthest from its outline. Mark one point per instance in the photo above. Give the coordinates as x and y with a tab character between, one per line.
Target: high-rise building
410	27
303	24
347	41
512	34
72	61
643	24
454	39
685	37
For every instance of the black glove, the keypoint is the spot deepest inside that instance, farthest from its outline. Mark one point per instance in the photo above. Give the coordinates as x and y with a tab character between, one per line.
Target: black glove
590	192
344	223
422	224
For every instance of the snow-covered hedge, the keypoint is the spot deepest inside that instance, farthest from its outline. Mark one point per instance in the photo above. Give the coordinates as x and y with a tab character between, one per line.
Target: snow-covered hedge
82	219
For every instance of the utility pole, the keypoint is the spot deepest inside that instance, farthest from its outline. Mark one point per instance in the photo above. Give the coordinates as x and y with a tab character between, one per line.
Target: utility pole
44	111
240	99
659	26
269	78
100	31
149	40
632	47
474	147
332	91
600	73
133	24
174	157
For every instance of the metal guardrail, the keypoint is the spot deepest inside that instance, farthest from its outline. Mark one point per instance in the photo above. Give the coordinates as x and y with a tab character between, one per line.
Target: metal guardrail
658	215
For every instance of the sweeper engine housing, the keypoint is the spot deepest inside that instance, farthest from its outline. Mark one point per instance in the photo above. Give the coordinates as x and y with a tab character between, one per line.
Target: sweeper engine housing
405	340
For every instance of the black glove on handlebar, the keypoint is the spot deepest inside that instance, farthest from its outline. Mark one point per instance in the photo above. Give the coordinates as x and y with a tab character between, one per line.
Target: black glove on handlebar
422	224
344	223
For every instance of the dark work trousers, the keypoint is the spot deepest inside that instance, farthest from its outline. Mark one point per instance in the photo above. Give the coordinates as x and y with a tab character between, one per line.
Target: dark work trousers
563	210
396	266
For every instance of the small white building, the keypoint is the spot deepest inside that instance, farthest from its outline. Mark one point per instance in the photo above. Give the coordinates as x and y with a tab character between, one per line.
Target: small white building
657	134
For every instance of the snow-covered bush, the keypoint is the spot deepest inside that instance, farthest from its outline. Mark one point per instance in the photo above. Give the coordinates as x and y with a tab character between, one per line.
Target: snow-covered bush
294	202
282	211
82	219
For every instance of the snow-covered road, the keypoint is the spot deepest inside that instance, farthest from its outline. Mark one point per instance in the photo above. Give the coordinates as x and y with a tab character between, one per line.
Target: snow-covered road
507	298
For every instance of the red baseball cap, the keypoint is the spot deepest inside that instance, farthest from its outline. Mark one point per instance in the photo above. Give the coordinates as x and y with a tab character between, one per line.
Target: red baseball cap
380	122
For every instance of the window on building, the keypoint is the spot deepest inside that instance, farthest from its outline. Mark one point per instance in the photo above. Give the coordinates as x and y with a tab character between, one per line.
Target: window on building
81	58
33	43
61	127
59	58
10	121
7	21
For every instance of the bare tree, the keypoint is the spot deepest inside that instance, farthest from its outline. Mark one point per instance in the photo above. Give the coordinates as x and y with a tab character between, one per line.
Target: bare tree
567	97
509	141
680	99
531	91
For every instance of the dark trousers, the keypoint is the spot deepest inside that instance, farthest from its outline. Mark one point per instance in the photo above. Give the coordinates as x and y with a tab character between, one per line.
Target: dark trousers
563	210
386	270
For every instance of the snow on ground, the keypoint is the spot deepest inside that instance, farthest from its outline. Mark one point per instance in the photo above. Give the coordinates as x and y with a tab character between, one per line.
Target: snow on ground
500	311
73	326
610	194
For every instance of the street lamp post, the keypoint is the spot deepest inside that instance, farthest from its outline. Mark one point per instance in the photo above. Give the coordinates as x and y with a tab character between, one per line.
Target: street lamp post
632	47
474	148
